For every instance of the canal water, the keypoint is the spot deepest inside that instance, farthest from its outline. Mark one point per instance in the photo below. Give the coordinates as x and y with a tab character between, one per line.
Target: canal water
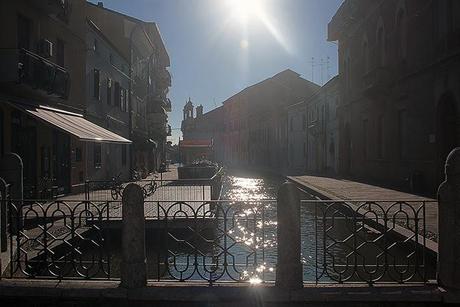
252	187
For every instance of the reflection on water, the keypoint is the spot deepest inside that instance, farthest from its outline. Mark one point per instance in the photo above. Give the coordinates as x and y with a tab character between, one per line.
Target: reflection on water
255	187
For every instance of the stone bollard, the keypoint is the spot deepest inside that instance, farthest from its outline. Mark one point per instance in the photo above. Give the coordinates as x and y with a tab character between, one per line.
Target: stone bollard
289	268
133	264
3	216
449	224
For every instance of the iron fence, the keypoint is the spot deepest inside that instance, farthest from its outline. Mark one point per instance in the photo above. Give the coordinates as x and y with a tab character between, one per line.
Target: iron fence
57	239
225	240
213	241
156	189
371	241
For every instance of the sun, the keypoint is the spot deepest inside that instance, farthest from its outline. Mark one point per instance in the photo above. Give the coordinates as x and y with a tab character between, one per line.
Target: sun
245	10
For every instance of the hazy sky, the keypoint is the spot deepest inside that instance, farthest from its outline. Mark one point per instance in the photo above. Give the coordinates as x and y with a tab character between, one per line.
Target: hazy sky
218	47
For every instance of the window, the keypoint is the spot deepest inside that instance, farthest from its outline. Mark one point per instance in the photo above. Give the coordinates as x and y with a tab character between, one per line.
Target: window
96	84
366	57
109	91
365	138
95	45
123	98
97	155
381	45
123	154
304	122
24	26
78	154
401	34
117	95
380	138
60	52
402	134
45	161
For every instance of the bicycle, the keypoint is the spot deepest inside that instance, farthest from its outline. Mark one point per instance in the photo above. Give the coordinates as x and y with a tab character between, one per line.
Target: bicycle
116	189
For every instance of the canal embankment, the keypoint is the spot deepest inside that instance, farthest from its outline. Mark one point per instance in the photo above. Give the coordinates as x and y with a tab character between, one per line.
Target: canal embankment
334	189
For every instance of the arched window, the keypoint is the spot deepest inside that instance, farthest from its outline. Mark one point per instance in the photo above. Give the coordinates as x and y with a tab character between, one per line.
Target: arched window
365	56
401	34
381	45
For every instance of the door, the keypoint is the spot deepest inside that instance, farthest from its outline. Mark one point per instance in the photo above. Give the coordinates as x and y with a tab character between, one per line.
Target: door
61	161
24	143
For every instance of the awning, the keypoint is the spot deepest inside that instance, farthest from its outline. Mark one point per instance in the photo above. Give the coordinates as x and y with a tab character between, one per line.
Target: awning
195	143
73	123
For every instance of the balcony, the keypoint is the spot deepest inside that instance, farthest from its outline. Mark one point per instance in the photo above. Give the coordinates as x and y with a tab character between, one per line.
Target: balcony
154	102
376	82
56	7
22	67
168	130
163	79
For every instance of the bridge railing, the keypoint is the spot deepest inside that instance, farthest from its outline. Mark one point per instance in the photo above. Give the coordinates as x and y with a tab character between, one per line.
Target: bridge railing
371	241
224	241
156	189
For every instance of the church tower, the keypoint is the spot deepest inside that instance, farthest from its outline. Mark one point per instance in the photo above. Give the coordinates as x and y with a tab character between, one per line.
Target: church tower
188	110
187	122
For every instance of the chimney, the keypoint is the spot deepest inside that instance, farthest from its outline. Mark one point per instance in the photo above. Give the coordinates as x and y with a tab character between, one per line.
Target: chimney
199	111
100	4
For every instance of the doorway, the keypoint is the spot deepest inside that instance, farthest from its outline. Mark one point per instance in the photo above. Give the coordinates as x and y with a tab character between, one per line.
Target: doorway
61	161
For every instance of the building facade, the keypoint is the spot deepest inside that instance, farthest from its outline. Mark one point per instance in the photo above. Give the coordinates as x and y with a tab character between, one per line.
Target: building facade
42	94
141	44
399	109
250	128
107	84
202	134
322	130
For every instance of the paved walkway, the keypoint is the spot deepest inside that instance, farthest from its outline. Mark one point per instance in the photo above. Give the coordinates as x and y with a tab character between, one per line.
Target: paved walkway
340	189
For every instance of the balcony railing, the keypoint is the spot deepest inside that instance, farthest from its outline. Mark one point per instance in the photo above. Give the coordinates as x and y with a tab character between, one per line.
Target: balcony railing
52	6
24	67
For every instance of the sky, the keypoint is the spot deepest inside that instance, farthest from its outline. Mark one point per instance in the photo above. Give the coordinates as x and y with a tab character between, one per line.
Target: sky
219	47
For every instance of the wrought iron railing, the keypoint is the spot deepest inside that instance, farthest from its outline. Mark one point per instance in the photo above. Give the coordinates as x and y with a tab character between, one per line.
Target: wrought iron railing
57	239
213	241
370	241
222	241
157	189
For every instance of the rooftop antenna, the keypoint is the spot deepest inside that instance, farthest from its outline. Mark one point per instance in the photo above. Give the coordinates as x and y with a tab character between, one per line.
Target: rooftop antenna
312	62
321	65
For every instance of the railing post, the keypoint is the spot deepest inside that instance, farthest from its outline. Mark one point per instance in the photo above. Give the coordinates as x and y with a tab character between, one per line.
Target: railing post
449	225
289	268
134	264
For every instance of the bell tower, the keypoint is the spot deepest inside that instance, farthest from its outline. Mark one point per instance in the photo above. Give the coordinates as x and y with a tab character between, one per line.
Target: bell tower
188	110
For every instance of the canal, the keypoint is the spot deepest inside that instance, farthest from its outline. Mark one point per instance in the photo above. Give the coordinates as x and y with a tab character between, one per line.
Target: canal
252	186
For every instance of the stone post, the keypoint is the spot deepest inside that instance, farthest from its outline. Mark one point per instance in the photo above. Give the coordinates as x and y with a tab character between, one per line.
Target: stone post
289	268
12	171
449	224
134	264
3	216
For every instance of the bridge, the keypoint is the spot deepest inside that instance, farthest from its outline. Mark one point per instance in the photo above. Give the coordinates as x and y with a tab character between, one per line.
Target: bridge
229	252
